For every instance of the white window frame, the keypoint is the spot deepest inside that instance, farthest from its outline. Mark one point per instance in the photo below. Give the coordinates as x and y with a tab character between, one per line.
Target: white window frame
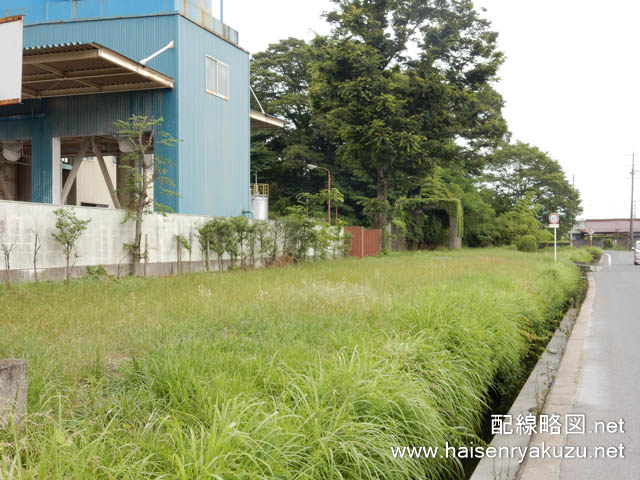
206	85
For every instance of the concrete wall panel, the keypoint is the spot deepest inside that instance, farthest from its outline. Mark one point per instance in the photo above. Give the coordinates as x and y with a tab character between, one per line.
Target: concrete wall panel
101	244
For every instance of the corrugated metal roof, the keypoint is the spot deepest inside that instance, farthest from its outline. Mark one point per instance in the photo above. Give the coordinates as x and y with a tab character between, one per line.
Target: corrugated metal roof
84	68
57	47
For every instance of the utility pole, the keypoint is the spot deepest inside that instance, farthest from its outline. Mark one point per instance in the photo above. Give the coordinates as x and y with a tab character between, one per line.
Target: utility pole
311	166
633	173
571	213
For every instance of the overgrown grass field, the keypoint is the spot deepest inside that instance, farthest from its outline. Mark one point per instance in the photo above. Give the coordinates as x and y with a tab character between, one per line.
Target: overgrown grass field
306	372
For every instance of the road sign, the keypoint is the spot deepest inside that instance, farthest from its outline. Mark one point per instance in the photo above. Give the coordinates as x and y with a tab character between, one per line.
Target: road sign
554	218
11	40
554	225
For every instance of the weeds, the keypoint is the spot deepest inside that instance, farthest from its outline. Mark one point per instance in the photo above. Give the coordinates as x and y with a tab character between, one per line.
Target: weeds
309	372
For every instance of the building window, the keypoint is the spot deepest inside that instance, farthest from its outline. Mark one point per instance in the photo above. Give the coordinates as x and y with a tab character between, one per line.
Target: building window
217	78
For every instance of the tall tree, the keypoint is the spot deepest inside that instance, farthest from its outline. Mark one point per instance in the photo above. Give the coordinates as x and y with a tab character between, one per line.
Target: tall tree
366	107
519	169
280	77
459	48
395	117
360	90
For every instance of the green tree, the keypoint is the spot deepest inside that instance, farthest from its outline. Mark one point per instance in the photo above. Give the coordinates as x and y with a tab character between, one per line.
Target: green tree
144	170
69	230
394	117
519	169
379	118
457	67
280	77
236	242
365	105
480	229
216	234
521	220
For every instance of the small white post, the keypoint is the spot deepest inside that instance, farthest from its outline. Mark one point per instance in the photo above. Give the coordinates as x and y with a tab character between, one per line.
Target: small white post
554	220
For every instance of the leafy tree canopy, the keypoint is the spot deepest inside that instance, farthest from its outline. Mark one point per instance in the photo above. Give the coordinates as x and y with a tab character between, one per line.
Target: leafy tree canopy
398	89
519	169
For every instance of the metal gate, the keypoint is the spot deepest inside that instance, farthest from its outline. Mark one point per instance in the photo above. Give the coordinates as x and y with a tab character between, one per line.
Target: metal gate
364	242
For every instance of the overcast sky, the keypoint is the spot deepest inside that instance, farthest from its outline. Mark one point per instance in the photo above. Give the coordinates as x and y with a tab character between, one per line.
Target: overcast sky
570	80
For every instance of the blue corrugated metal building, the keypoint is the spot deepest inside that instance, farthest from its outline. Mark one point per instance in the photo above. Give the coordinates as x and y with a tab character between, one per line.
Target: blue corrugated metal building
208	112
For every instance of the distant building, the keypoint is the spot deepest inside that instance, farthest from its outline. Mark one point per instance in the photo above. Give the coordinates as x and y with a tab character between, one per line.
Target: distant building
611	226
596	230
579	227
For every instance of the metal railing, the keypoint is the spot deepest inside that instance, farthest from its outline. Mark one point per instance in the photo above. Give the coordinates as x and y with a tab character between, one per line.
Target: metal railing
260	189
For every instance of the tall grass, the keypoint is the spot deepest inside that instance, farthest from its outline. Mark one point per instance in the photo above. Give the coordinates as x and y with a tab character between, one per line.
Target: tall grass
306	372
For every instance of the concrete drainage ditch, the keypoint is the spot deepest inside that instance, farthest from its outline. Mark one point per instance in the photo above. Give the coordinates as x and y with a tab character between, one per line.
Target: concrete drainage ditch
530	400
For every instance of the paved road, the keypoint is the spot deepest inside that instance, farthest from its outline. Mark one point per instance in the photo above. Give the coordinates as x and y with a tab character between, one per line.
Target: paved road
609	381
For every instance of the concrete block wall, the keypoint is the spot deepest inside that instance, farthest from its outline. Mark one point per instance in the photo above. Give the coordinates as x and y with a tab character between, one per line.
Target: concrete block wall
101	244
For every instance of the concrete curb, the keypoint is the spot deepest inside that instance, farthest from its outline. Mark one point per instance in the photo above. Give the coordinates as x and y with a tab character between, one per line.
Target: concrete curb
561	397
531	400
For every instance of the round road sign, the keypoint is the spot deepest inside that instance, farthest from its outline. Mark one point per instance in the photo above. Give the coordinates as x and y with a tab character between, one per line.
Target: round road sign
554	218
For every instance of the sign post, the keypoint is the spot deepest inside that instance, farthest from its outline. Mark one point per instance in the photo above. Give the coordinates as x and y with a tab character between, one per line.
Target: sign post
11	60
554	222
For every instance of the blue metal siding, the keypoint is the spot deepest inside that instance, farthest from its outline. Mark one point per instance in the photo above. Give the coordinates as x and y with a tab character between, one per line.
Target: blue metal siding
44	11
80	116
39	11
211	164
96	114
136	37
214	179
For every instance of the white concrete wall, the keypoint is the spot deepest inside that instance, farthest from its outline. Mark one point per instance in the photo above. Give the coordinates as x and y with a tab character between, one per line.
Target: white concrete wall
90	184
101	244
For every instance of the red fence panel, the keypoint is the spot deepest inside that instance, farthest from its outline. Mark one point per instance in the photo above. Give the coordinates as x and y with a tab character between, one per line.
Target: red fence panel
357	241
372	244
364	243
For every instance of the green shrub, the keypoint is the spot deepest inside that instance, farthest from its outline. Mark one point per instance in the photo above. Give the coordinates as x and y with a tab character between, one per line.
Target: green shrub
216	233
69	228
521	220
96	272
596	253
587	255
608	243
527	243
544	236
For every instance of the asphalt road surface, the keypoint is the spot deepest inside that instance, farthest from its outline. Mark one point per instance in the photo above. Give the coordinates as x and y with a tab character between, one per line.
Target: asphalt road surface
608	388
